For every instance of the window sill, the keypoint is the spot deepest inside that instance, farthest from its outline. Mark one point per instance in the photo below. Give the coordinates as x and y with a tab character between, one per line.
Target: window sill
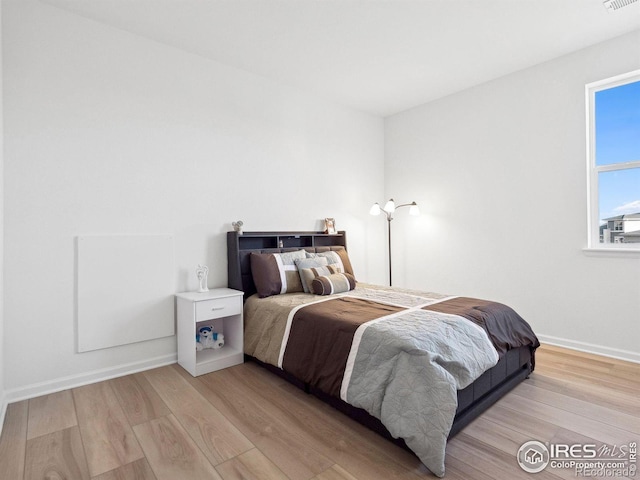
612	251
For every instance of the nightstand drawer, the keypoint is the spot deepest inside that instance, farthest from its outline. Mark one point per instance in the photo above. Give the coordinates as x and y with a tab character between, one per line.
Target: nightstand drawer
218	307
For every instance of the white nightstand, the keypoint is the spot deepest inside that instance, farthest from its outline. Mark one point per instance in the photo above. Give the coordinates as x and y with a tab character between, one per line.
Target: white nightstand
221	308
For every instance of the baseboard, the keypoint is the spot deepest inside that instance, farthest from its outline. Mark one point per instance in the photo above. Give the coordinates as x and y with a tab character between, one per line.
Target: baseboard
86	378
591	348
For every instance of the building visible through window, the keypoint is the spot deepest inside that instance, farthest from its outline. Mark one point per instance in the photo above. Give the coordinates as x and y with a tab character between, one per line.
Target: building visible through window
621	229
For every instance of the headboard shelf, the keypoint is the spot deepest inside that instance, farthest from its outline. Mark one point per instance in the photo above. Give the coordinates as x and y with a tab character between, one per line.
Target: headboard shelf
240	246
254	240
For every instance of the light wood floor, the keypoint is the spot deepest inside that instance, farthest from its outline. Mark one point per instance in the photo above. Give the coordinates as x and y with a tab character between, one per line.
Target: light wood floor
245	423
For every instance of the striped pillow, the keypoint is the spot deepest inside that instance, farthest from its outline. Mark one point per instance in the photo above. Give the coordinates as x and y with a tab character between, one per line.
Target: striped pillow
308	274
339	256
275	273
334	283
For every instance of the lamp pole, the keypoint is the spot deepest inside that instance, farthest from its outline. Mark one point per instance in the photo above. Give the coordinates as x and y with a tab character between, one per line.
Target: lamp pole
389	244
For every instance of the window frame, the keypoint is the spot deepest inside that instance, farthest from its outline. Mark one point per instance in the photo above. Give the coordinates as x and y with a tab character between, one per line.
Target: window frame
593	170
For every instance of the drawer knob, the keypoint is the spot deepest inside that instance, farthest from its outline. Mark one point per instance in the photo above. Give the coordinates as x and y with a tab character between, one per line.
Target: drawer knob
217	308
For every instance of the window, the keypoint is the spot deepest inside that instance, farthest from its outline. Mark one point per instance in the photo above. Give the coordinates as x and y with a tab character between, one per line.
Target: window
613	151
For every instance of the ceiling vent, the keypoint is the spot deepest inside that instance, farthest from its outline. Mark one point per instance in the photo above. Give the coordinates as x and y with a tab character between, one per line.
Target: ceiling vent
617	4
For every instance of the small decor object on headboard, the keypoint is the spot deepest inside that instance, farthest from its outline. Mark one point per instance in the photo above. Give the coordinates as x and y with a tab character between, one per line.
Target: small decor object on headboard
330	226
202	272
237	226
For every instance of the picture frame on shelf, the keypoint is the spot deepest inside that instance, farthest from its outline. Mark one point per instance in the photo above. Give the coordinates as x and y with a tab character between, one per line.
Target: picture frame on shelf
330	226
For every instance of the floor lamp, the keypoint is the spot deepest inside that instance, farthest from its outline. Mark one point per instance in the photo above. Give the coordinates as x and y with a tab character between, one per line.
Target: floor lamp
388	209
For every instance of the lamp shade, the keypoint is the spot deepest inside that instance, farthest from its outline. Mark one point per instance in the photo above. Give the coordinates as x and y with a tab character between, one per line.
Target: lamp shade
375	209
413	209
390	206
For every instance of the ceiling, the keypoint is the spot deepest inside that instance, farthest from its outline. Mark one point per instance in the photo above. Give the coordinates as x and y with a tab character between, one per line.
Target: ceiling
378	56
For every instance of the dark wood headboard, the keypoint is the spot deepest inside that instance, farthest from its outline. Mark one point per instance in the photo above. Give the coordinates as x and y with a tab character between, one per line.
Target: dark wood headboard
239	248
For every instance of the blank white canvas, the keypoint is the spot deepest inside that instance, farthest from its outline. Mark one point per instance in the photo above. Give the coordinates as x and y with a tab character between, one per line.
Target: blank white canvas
125	289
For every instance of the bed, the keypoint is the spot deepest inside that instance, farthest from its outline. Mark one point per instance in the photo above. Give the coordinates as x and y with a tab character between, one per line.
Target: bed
416	367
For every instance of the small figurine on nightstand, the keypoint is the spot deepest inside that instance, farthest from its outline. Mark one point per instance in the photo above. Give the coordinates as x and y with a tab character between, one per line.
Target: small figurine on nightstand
202	272
207	338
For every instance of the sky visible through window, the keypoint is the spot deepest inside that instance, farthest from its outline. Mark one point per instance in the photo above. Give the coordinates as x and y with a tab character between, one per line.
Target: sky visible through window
617	117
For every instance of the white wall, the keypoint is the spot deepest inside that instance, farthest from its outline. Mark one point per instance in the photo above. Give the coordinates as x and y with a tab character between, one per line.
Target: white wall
110	133
499	171
2	348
